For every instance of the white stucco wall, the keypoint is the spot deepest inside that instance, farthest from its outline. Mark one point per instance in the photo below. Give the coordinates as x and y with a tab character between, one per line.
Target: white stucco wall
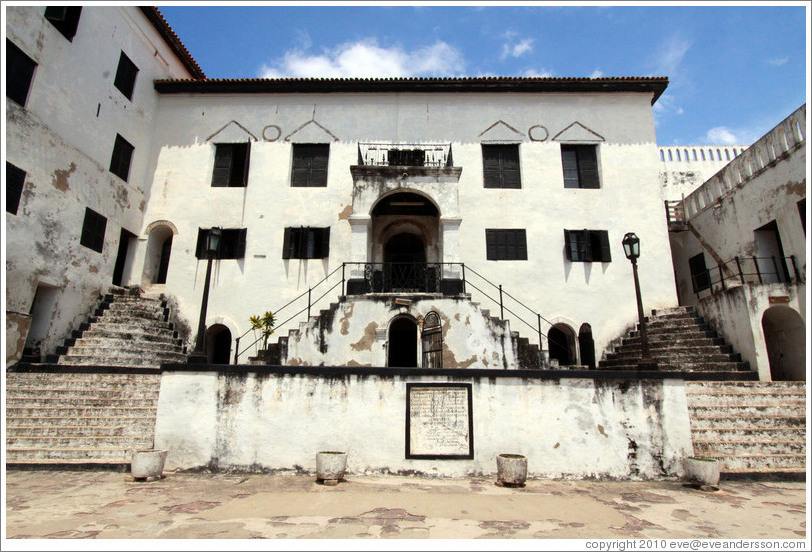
600	294
567	428
683	168
63	138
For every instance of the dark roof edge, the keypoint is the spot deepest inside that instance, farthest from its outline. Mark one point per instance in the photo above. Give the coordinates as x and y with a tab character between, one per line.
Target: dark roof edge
654	85
157	19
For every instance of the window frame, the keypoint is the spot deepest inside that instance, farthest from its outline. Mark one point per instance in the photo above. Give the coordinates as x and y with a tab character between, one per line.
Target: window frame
306	242
232	243
94	228
15	184
20	70
506	251
66	22
303	173
126	75
700	277
226	176
122	157
498	170
585	164
587	246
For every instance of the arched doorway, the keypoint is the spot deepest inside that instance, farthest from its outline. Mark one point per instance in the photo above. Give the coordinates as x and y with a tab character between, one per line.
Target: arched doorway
218	344
163	265
561	344
402	343
159	250
404	257
785	338
586	346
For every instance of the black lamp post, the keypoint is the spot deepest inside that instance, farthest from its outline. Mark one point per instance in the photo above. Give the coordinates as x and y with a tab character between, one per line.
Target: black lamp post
631	248
198	356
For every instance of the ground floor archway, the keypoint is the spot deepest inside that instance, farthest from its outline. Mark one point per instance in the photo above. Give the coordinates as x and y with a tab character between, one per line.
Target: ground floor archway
561	344
586	346
218	344
402	351
158	253
785	338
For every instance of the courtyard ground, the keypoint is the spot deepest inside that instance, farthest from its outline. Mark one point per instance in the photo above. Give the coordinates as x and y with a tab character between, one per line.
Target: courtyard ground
110	505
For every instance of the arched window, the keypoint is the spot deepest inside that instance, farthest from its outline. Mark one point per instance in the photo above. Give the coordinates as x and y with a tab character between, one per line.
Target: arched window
432	341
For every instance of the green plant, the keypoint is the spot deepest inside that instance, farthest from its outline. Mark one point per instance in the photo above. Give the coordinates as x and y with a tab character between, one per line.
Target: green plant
265	325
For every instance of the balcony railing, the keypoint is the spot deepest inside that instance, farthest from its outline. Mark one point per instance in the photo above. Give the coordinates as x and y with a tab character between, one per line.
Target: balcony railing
404	155
746	270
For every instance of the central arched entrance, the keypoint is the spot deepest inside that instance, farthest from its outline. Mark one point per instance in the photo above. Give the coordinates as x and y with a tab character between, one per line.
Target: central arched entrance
402	343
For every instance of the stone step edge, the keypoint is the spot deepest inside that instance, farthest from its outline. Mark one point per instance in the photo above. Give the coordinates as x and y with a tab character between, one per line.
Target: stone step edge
751	429
67	461
740	456
754	442
67	449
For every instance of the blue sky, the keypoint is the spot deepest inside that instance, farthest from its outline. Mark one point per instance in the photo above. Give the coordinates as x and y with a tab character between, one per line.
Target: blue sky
735	70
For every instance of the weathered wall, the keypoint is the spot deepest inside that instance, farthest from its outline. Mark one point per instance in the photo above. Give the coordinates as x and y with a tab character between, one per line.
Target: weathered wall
356	333
63	138
568	428
684	168
601	294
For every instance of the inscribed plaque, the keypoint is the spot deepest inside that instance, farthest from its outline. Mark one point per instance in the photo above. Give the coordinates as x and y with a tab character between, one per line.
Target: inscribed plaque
439	421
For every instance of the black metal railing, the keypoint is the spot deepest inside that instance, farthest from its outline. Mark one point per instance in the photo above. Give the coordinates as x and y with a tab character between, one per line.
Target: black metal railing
405	155
398	277
745	270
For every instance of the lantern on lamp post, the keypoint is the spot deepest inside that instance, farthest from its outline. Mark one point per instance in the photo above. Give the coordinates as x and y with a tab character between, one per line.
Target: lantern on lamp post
631	248
198	356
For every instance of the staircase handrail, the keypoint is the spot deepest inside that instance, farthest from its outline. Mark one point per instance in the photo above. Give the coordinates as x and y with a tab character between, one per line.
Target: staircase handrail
714	279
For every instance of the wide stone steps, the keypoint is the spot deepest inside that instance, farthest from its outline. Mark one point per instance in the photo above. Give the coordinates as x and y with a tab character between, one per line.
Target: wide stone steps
735	434
759	463
681	366
77	418
100	354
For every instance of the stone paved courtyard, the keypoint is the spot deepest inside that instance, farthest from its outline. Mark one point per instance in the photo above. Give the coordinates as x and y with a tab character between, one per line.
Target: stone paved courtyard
110	505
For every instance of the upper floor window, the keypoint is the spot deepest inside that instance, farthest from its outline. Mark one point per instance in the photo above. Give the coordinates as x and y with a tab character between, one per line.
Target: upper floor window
125	76
19	73
15	182
122	156
587	246
506	244
500	166
93	230
231	165
580	165
232	243
306	243
65	19
309	165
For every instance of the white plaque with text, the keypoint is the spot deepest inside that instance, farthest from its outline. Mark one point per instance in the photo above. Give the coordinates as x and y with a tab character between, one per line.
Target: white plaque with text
439	422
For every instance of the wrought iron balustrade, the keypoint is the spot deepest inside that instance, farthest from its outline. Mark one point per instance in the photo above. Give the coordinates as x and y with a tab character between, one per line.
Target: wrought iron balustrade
402	278
746	270
404	155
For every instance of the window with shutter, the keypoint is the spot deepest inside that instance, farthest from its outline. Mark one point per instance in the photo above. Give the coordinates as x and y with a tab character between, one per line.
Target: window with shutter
65	19
500	166
306	243
700	276
93	230
232	243
231	165
125	76
506	244
587	246
580	166
19	73
15	182
122	156
309	165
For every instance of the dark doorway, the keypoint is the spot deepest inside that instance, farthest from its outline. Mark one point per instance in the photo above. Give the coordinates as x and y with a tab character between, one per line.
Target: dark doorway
404	270
402	343
42	310
124	242
163	267
218	344
771	262
587	346
560	346
785	338
404	248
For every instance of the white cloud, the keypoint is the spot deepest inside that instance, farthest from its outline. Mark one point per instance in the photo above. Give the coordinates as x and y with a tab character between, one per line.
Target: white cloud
533	73
728	136
366	59
511	48
596	74
670	55
778	62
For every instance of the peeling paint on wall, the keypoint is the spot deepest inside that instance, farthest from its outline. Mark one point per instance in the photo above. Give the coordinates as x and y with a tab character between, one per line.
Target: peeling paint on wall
60	178
365	343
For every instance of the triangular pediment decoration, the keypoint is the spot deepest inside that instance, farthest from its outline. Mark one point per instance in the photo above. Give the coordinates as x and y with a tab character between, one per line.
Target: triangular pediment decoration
311	133
232	133
500	131
576	132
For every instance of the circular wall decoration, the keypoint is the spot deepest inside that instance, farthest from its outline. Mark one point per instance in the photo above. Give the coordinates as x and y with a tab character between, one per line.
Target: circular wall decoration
538	133
268	136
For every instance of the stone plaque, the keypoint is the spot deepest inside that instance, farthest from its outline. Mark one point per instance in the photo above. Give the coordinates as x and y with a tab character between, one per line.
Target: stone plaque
439	421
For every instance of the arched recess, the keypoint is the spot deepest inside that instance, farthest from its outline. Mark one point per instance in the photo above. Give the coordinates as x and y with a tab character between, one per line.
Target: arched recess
402	350
561	344
785	338
586	346
159	248
218	344
432	341
405	212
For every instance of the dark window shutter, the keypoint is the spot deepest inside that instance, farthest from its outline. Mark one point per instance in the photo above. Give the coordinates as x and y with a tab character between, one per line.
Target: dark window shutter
122	157
19	72
325	243
569	162
521	245
200	252
15	182
242	236
287	244
125	76
500	166
223	156
245	158
93	230
588	167
606	254
490	244
318	169
700	276
64	18
310	165
511	175
571	251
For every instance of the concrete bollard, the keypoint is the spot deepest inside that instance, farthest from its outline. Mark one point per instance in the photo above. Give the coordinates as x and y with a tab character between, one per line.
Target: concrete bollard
148	463
330	467
511	470
704	471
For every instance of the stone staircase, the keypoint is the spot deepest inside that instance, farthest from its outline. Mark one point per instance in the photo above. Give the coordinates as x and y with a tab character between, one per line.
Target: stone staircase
127	329
681	341
752	427
68	418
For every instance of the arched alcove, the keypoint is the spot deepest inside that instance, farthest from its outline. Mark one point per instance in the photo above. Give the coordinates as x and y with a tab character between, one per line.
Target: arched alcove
218	344
159	250
586	346
785	338
561	344
402	351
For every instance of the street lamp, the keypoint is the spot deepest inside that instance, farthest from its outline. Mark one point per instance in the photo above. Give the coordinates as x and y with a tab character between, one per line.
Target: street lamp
631	248
198	356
